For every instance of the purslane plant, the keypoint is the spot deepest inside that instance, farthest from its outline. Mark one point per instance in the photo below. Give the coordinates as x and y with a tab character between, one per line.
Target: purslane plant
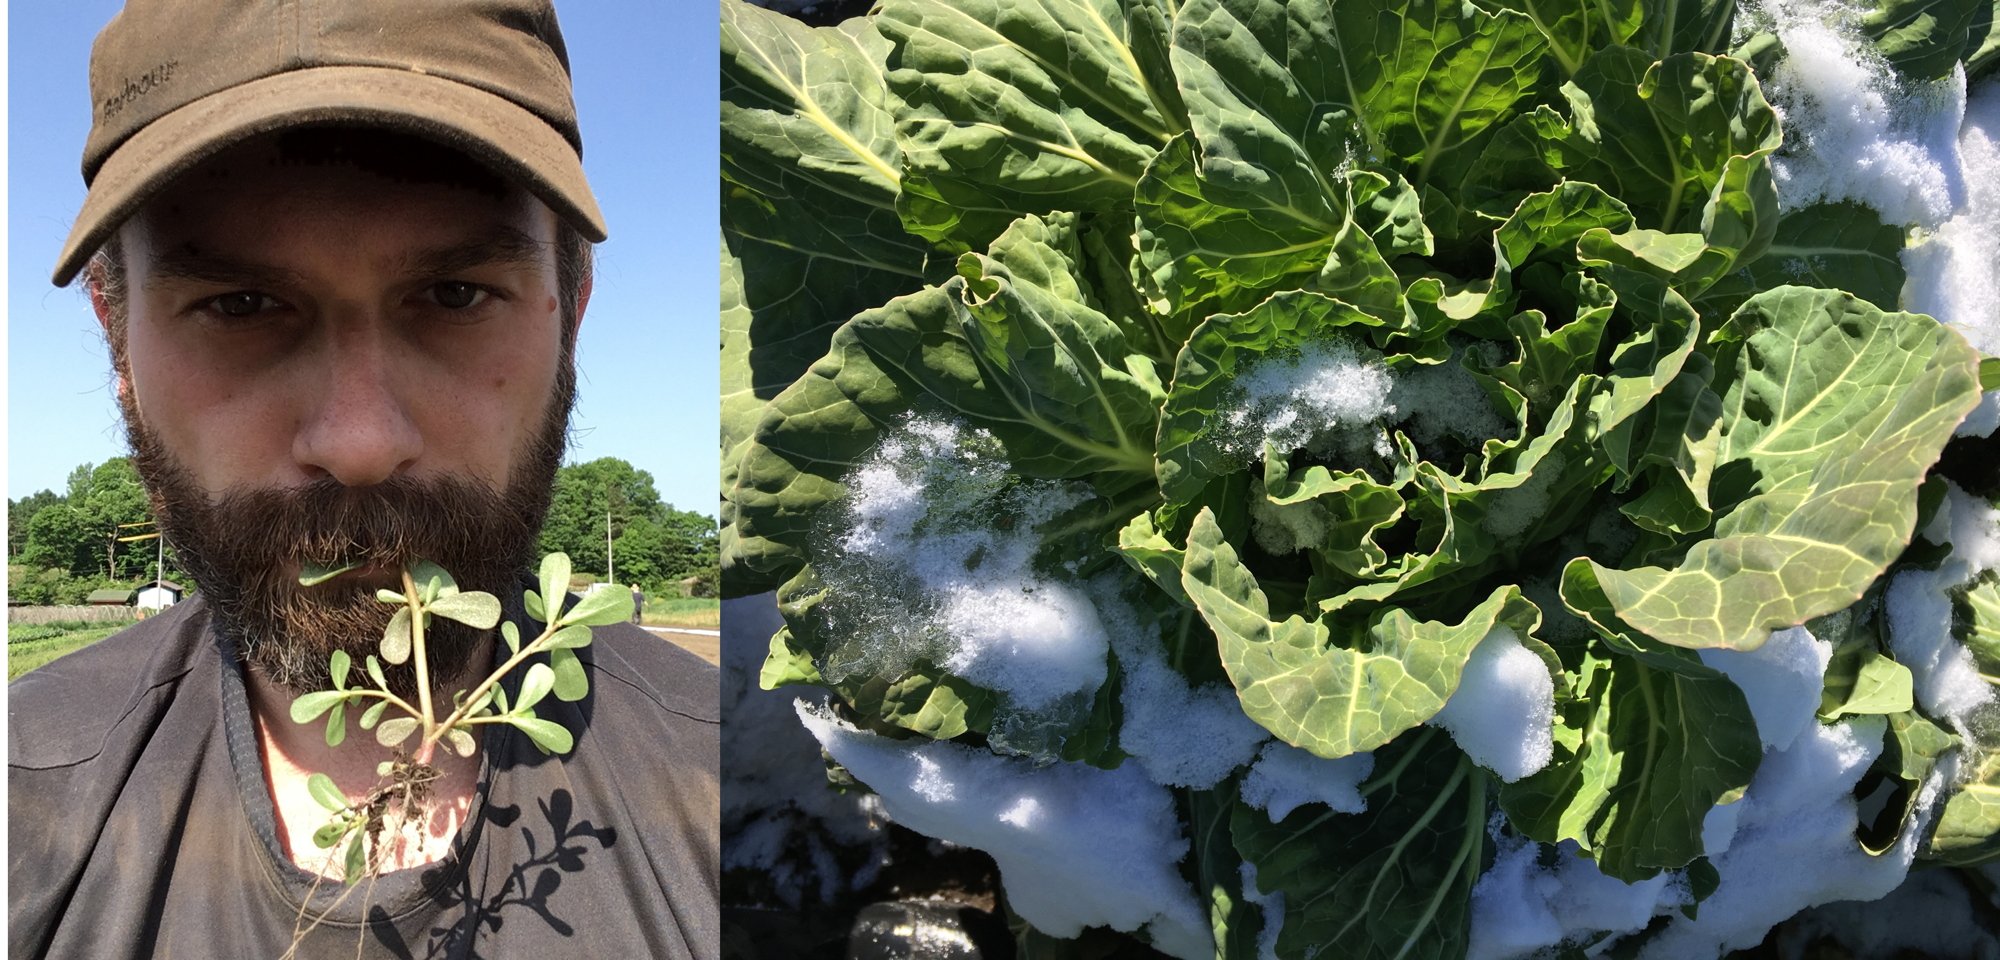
1323	343
428	592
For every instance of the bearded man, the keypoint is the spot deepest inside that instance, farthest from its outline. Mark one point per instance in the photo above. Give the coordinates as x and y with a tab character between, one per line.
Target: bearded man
340	253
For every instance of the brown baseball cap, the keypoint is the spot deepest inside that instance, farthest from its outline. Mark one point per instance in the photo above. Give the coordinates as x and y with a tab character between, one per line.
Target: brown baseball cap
173	82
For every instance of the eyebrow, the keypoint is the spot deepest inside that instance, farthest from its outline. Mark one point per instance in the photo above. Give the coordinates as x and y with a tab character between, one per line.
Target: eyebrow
502	245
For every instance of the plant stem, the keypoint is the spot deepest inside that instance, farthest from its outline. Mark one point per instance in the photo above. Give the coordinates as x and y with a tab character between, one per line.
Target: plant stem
417	653
458	716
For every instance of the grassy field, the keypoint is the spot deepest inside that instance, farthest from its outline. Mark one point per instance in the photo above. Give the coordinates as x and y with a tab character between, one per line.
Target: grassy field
696	612
29	647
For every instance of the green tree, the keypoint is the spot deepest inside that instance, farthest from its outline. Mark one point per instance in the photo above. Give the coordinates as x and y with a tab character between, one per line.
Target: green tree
111	497
22	512
59	538
653	544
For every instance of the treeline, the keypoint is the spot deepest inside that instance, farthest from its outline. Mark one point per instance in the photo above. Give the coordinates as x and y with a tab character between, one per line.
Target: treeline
60	547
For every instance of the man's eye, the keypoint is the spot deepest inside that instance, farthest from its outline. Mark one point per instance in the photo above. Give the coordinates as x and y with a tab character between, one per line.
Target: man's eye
241	304
457	295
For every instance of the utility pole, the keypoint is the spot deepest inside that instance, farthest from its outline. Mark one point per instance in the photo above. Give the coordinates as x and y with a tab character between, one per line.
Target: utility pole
159	556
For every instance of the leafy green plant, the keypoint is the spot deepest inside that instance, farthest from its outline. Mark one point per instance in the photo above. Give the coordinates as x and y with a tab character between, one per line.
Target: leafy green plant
405	780
1320	343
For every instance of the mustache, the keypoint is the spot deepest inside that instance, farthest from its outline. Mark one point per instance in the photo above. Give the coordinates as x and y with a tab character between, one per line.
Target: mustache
392	523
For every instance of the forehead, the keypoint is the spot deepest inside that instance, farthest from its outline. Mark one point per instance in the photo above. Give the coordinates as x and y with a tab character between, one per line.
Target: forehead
323	184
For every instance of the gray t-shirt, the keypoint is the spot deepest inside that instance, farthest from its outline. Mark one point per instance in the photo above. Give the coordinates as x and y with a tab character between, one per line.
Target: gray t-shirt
139	824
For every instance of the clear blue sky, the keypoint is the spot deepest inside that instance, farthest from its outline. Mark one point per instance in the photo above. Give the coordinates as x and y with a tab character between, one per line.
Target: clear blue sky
645	75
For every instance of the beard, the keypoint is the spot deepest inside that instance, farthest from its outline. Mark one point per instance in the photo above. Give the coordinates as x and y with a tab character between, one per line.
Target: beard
245	549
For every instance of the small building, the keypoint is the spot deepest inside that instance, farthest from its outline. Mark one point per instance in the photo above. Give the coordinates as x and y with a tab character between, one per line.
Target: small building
110	597
159	596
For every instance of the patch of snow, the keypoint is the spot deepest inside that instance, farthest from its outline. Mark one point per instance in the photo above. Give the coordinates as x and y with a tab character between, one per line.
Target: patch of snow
1984	419
1294	401
1954	269
1517	509
1852	131
1503	713
1077	846
1181	736
1443	400
1522	906
1718	827
1919	609
933	562
1794	845
1285	528
1271	906
1286	777
1781	680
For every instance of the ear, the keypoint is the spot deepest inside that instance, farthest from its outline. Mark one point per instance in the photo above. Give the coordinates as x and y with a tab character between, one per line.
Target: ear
93	285
582	301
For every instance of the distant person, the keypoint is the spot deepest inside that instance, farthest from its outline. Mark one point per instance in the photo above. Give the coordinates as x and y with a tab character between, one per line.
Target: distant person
340	252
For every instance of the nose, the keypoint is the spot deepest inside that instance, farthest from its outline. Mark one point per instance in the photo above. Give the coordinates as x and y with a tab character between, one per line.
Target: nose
357	426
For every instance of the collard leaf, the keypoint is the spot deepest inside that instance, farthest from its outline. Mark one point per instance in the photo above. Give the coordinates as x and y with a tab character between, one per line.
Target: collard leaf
1686	26
786	664
1278	89
806	125
1833	411
1880	685
1286	102
1012	347
1576	29
1968	830
1194	446
1835	245
1659	135
1333	687
1663	738
1008	109
1926	39
1395	881
1233	918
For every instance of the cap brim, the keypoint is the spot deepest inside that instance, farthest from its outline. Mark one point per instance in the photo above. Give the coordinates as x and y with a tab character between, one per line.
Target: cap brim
489	128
